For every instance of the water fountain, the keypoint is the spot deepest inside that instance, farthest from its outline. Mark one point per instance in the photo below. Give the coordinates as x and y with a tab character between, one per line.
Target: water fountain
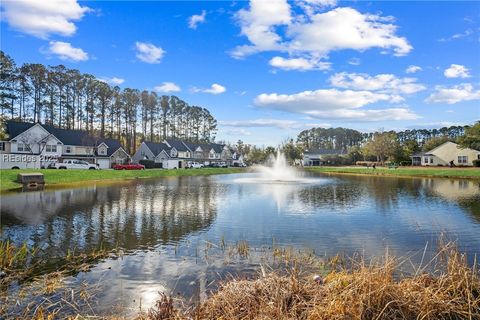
277	171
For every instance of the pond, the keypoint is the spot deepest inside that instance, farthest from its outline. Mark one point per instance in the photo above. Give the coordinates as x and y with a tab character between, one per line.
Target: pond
163	225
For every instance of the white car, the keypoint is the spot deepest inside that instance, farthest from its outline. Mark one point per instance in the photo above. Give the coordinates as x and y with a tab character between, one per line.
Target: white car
76	164
195	165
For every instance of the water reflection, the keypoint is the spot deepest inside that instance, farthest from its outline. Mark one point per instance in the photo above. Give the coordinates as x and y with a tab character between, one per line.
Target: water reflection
134	216
164	222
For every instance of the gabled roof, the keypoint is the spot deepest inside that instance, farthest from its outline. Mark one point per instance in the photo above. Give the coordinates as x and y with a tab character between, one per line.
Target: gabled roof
177	144
325	151
156	147
218	148
67	137
15	128
112	144
193	145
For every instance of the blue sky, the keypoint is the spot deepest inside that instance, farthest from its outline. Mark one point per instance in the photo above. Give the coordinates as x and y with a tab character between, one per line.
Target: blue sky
268	69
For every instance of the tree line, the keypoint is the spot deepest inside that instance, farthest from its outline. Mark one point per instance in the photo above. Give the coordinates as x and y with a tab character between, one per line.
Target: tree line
377	146
69	99
343	138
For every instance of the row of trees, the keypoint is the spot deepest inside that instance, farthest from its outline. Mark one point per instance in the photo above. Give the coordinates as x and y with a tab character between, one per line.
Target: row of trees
69	99
375	146
342	138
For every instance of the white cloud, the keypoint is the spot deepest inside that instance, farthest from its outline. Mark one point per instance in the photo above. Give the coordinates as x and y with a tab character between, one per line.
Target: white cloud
167	87
258	25
413	69
335	104
236	132
196	19
113	81
42	18
455	94
148	52
354	61
301	64
260	123
272	123
214	89
456	71
65	51
381	82
464	34
312	38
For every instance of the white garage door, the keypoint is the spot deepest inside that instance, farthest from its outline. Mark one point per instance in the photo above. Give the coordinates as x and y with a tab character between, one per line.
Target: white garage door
103	163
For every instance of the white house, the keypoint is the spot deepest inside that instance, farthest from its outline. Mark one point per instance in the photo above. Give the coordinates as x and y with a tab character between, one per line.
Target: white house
175	154
49	144
444	154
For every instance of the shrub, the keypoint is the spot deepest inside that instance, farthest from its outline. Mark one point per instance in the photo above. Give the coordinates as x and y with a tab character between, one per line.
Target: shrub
476	163
149	164
405	163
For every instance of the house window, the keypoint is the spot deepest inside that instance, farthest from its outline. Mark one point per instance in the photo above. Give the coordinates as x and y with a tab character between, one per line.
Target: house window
2	146
68	149
21	147
425	159
51	148
478	156
431	160
102	151
462	159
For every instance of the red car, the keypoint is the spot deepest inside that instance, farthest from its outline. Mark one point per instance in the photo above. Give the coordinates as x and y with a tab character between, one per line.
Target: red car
130	166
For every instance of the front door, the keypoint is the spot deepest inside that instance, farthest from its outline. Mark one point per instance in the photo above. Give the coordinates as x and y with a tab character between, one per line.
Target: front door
180	164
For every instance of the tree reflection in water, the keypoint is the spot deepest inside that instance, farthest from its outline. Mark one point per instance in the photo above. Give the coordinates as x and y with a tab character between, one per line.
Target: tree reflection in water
134	216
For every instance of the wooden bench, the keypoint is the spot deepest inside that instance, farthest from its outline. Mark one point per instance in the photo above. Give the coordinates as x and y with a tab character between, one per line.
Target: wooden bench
31	179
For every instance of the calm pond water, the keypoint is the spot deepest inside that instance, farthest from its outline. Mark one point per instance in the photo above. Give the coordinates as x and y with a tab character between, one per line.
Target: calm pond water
164	224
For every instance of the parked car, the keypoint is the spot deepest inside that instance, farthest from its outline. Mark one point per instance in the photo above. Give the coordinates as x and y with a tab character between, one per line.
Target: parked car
130	166
76	164
194	165
222	164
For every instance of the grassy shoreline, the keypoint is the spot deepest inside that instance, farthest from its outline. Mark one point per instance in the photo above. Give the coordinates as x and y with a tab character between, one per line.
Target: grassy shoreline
66	178
434	172
299	286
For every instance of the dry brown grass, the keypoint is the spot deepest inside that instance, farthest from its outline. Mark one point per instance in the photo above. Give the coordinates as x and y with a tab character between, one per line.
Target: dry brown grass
359	291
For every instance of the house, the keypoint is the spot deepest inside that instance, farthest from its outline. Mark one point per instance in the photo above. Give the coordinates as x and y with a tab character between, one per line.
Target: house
317	157
238	160
50	144
175	154
444	154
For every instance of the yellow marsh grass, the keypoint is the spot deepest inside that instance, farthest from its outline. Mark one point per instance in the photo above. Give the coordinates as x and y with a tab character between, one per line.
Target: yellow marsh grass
360	291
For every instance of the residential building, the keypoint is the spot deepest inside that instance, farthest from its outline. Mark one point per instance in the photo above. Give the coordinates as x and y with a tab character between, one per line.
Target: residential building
444	154
175	154
318	157
50	144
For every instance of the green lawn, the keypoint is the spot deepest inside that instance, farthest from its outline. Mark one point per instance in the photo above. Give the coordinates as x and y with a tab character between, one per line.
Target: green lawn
69	177
440	172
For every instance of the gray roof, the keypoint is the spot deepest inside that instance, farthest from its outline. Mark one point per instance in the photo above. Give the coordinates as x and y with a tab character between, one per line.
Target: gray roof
418	154
66	136
325	151
157	147
177	144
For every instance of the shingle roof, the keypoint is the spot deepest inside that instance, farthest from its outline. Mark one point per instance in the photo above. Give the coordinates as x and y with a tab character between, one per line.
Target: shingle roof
113	145
67	137
156	147
325	151
14	128
179	145
217	147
